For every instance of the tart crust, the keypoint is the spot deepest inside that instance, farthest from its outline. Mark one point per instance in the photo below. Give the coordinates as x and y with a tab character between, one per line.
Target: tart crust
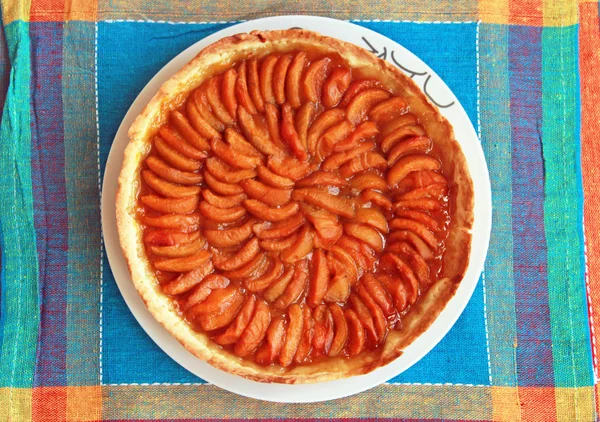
211	61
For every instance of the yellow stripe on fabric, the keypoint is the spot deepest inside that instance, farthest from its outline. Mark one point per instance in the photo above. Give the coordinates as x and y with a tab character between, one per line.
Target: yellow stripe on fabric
84	403
560	12
384	401
15	404
208	10
575	404
506	404
81	10
494	11
13	10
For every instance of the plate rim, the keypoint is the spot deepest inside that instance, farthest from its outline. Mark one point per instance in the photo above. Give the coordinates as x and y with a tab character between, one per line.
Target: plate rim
284	392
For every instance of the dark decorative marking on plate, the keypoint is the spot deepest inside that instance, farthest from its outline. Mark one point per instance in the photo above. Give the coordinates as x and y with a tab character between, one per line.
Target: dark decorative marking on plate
411	73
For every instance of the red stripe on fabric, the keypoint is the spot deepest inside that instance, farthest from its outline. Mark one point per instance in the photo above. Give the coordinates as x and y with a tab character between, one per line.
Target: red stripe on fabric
49	404
48	10
49	199
526	12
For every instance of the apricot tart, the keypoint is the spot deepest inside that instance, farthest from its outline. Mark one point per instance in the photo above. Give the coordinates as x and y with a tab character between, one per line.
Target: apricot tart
293	209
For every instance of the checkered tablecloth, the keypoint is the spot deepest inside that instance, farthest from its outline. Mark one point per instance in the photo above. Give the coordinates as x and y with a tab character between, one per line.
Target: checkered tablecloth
528	75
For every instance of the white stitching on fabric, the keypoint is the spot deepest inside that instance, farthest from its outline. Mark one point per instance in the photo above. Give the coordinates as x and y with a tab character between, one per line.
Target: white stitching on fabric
170	22
409	21
487	337
99	196
590	308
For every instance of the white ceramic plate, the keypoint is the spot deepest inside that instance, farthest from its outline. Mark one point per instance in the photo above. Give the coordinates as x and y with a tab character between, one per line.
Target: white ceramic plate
437	91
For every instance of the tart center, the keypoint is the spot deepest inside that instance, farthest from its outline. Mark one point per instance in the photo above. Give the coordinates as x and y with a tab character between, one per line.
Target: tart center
293	209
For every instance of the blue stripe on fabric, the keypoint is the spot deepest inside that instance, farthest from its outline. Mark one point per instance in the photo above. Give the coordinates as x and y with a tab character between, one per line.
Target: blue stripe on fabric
50	201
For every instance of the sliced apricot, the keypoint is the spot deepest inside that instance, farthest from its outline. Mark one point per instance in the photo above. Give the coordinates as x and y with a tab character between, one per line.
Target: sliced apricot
372	217
171	174
368	180
365	233
284	228
319	279
338	289
322	198
399	134
273	119
363	131
185	223
411	145
295	288
367	161
293	335
335	86
257	265
268	177
200	124
336	160
365	317
266	78
302	247
216	301
321	178
357	87
168	189
238	259
419	216
348	264
279	77
214	99
226	173
208	283
174	157
356	333
222	188
228	92
420	204
269	350
277	288
331	137
352	246
435	190
289	167
279	244
420	267
292	82
404	269
396	288
169	237
188	281
253	85
234	158
221	215
388	110
260	283
211	322
222	201
304	118
241	89
289	134
321	124
327	225
224	238
407	119
314	77
255	332
379	321
257	133
341	330
183	205
177	142
376	198
269	195
324	330
378	293
204	109
415	240
183	249
417	228
183	264
235	330
363	102
264	212
308	331
185	127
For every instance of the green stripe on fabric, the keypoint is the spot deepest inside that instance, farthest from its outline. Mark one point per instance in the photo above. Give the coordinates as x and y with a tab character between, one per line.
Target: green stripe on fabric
562	208
81	175
496	142
20	313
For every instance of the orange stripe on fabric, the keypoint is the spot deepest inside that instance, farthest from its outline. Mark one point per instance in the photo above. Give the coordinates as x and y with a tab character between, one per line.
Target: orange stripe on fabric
493	11
13	10
526	12
506	404
537	404
84	403
589	63
47	10
81	10
49	404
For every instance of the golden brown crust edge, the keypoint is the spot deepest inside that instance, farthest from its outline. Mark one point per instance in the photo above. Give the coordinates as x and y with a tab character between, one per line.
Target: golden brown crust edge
212	60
